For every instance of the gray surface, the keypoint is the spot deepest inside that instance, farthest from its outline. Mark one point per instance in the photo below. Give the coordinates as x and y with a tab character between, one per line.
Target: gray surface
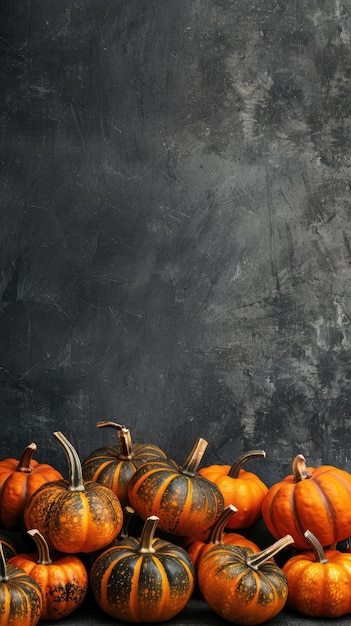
175	234
196	612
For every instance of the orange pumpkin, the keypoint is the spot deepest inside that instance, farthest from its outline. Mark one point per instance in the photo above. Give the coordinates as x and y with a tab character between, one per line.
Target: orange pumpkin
241	585
197	548
184	501
63	579
243	489
319	581
310	499
74	516
113	466
18	480
20	596
143	580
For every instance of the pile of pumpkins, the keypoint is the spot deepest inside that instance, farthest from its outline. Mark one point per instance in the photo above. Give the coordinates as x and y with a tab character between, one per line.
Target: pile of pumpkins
191	535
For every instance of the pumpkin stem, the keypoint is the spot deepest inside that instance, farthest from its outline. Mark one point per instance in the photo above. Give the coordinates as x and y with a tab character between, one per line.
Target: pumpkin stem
128	513
216	534
237	465
25	459
316	547
124	439
147	535
256	560
43	551
299	468
193	460
3	569
75	482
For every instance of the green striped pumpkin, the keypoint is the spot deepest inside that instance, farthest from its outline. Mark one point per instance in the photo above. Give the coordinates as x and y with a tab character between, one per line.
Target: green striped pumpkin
143	580
20	596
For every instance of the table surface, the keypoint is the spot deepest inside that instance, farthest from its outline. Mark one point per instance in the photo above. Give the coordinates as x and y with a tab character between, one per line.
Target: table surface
196	612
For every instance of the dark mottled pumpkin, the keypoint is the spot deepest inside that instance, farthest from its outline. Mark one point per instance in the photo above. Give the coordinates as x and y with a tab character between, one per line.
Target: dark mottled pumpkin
63	579
74	515
143	580
184	501
243	586
113	466
20	596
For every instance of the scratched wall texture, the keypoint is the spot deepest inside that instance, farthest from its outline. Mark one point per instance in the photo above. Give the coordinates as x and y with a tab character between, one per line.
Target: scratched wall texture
176	226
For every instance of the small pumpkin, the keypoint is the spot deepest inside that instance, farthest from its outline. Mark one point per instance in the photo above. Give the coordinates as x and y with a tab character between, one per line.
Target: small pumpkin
143	580
310	499
113	466
74	515
184	501
243	489
18	480
20	596
241	585
63	579
217	536
319	581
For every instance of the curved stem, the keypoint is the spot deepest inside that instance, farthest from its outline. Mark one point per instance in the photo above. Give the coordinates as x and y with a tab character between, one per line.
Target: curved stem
124	439
25	459
316	547
3	569
299	468
75	481
193	460
216	534
43	551
237	465
256	560
147	535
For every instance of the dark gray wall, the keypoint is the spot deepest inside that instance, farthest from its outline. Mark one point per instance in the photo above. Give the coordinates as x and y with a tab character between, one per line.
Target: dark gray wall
175	226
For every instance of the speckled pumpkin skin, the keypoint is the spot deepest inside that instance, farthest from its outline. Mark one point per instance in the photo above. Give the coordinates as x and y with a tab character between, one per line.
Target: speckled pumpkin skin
142	588
75	521
20	599
63	583
235	591
185	504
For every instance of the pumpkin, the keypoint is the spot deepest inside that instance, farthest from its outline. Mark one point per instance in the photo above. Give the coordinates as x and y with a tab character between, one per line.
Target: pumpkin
18	480
319	581
143	580
20	596
241	585
63	579
8	545
314	499
74	515
197	548
113	466
243	489
184	501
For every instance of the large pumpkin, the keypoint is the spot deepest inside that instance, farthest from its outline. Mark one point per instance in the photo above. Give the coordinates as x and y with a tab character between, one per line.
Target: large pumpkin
241	585
314	499
20	596
217	536
63	579
143	580
243	489
319	581
113	466
184	501
18	480
74	515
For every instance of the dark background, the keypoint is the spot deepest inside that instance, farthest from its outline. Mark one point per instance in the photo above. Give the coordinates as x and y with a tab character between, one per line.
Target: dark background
175	227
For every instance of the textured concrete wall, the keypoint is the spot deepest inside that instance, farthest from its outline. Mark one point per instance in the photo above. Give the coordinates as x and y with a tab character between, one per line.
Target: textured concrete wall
175	226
